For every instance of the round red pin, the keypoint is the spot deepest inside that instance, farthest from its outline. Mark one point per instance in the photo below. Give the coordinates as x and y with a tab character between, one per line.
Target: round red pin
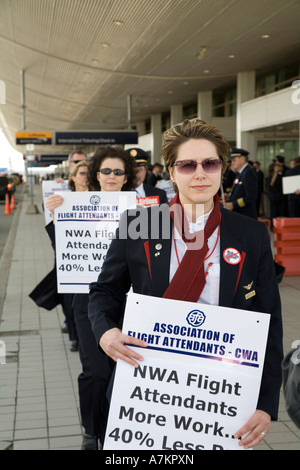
232	256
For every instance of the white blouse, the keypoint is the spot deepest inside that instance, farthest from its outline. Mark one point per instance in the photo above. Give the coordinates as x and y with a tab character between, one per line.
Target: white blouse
210	293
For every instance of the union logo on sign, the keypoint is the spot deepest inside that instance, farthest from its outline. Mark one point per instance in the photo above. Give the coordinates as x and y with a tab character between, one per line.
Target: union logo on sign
195	318
95	199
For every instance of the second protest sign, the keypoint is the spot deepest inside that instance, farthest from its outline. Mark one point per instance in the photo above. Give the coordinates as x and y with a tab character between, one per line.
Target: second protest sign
85	225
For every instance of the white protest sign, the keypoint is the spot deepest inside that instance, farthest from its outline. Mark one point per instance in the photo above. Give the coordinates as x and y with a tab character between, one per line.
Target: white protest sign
50	187
290	184
199	380
85	225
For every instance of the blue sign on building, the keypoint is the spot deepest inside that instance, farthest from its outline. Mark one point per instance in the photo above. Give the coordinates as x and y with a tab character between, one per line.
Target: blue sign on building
96	137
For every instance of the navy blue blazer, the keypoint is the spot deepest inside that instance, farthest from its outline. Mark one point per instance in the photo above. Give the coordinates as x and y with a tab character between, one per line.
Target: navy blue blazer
80	301
152	191
244	193
133	262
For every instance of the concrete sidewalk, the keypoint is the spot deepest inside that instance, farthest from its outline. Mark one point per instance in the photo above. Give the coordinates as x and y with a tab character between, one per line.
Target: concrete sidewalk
38	384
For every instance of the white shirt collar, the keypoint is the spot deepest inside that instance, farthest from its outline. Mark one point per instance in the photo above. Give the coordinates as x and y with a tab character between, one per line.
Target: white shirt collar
246	164
200	223
140	191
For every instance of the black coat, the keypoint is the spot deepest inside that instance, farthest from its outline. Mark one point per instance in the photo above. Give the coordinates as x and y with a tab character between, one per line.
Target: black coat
80	301
130	262
244	193
45	294
293	199
151	191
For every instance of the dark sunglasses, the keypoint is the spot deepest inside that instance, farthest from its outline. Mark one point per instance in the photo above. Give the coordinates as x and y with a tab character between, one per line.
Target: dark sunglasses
76	161
108	171
187	167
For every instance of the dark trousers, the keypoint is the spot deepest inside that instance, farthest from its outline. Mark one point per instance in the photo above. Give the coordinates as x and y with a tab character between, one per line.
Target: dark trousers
294	205
69	314
276	210
93	380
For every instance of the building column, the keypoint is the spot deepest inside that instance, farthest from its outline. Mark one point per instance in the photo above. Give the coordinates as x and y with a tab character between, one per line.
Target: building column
176	114
245	92
204	106
156	137
141	127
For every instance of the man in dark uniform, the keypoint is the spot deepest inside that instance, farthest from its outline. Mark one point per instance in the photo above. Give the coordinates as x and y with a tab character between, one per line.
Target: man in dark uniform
261	181
244	190
144	190
155	176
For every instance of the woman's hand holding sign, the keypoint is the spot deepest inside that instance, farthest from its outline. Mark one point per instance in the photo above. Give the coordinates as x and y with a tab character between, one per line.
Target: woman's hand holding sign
255	429
113	344
54	201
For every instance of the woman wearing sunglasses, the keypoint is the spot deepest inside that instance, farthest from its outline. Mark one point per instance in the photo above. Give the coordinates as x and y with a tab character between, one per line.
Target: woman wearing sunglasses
195	154
109	169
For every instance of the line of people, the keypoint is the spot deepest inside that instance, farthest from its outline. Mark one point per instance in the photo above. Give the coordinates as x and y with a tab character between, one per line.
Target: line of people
109	169
244	193
195	155
283	205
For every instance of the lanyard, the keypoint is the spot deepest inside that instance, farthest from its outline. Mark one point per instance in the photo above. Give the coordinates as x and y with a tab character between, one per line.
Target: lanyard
209	255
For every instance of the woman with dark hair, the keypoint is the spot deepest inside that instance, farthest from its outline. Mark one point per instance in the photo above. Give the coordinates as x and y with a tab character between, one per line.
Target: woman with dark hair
101	159
195	155
109	169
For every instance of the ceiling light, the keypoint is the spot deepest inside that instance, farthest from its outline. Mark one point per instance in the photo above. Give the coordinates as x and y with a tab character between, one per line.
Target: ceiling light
206	71
266	36
231	56
117	22
170	92
200	53
185	83
104	44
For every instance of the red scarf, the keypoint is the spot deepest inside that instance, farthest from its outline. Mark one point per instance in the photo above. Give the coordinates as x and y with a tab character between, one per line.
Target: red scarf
189	279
